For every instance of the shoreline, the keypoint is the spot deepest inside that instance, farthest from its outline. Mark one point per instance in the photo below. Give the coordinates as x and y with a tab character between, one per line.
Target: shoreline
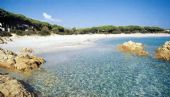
44	44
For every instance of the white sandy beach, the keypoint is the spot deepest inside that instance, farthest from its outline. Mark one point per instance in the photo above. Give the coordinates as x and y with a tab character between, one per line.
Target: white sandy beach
43	44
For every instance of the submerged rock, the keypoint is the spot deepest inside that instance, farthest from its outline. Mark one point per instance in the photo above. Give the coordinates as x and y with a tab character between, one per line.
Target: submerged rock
134	48
1	41
27	50
163	52
10	87
22	62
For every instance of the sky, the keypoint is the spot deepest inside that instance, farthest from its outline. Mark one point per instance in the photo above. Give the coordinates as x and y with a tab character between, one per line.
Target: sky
88	13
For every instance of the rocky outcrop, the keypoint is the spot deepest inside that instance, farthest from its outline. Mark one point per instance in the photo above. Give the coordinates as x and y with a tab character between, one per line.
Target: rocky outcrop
134	48
21	62
163	52
4	40
10	87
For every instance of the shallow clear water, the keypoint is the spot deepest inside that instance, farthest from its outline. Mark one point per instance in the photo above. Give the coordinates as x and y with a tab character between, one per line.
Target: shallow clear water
103	71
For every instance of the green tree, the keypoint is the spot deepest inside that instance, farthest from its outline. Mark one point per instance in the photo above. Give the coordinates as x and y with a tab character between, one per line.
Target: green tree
45	31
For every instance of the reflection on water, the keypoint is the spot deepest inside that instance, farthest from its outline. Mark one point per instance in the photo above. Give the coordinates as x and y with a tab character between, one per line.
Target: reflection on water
103	71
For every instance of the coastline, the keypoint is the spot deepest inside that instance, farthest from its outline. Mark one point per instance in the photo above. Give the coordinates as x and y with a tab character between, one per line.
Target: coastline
57	43
44	44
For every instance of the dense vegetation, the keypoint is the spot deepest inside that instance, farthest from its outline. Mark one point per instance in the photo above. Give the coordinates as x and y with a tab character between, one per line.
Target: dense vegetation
21	25
4	33
121	29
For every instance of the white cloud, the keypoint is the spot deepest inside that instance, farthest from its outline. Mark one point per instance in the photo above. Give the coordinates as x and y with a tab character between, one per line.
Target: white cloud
50	18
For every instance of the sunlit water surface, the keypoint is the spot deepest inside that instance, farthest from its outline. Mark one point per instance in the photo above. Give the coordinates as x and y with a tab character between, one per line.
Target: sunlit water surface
103	71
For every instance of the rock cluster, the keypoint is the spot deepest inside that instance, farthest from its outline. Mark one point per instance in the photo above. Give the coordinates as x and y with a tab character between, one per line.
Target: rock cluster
21	62
4	40
163	52
134	48
10	87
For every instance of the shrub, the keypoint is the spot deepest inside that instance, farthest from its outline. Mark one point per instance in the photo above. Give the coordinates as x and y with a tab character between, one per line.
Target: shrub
153	29
44	33
4	33
55	30
19	32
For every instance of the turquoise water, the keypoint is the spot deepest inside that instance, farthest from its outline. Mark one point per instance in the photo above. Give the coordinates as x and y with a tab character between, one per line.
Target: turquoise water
103	71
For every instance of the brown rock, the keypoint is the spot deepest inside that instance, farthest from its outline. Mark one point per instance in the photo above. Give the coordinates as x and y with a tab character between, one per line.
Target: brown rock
163	52
10	87
134	48
27	62
22	62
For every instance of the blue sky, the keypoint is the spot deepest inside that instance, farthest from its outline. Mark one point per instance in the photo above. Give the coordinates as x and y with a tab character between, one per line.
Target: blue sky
87	13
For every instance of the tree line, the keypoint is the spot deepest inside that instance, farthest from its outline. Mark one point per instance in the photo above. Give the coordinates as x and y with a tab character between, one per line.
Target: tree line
110	29
21	25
